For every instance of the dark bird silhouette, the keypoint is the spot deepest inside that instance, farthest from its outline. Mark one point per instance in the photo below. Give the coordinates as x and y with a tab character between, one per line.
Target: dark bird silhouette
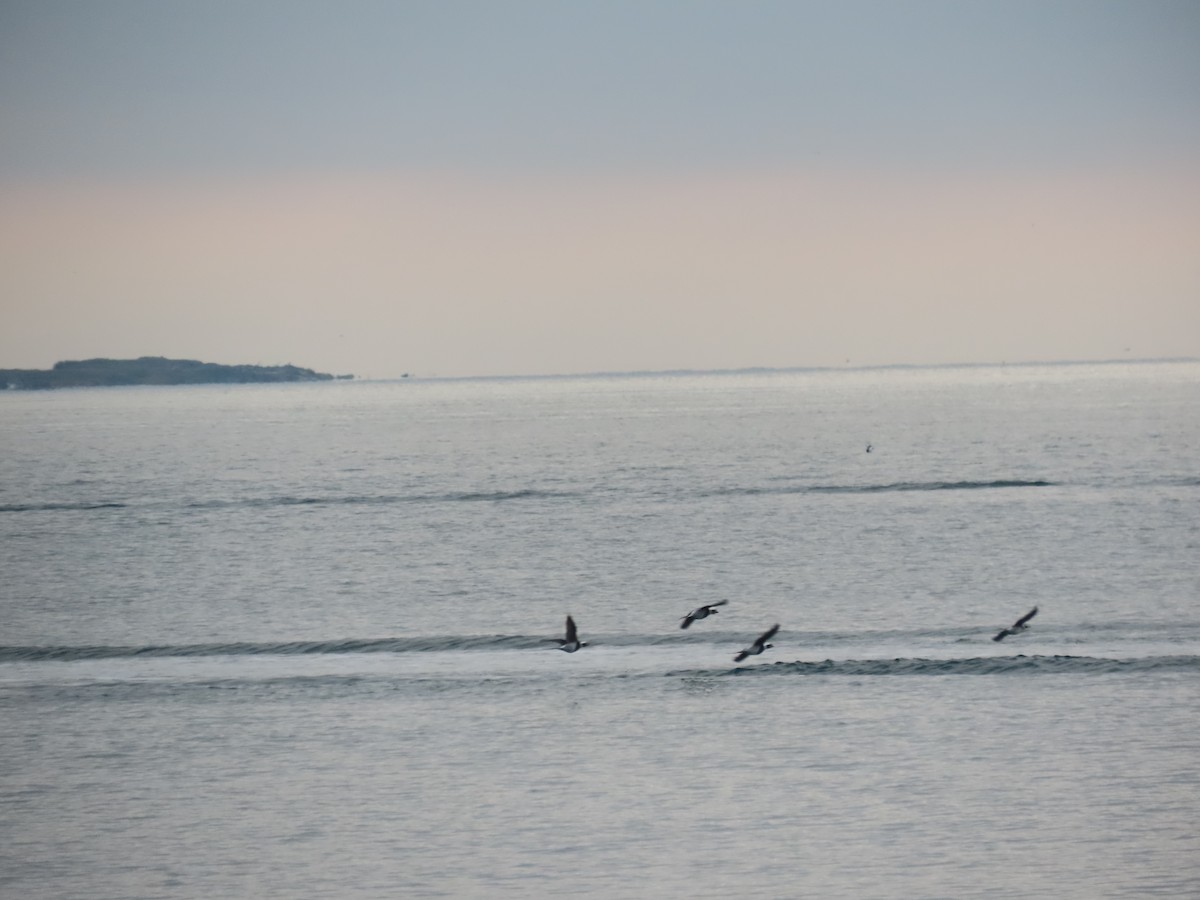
868	448
760	644
702	612
1017	626
571	642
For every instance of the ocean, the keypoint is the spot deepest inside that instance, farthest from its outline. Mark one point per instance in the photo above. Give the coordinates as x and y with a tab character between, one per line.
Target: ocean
290	641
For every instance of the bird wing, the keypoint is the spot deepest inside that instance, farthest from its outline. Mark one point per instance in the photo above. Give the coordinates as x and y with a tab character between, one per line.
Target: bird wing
1025	618
718	603
687	620
741	655
571	633
768	634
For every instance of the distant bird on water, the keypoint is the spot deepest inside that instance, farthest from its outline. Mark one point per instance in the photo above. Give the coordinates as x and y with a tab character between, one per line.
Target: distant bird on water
702	612
868	448
1018	626
760	644
571	642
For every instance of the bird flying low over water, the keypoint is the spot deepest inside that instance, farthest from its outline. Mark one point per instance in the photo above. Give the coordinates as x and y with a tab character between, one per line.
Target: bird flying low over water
1018	626
571	642
760	644
702	612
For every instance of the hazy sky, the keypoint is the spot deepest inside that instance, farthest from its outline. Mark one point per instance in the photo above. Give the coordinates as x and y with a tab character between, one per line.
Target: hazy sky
491	187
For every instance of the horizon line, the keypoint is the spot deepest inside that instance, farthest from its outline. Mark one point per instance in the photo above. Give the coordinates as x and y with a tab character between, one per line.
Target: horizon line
748	370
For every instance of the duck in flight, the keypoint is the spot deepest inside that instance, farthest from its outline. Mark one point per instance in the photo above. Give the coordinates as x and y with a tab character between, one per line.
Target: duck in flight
703	612
760	644
571	642
1018	626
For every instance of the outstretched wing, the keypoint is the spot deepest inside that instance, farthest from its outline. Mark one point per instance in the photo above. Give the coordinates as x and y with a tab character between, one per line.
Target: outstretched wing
768	634
687	620
571	633
1002	635
741	655
718	603
1025	618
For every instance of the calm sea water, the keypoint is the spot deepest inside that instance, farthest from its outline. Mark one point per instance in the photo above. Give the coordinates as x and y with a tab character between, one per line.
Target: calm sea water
290	641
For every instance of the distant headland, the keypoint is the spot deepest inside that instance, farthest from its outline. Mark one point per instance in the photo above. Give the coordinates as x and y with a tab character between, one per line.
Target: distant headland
151	370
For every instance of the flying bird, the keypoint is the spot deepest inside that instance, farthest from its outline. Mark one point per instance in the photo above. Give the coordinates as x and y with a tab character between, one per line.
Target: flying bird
571	642
760	644
1017	626
703	612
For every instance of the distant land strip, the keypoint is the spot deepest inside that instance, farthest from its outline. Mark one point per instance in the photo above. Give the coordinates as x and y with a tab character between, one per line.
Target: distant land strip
151	370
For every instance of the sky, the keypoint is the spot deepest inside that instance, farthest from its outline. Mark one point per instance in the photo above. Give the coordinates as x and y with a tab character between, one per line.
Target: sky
506	187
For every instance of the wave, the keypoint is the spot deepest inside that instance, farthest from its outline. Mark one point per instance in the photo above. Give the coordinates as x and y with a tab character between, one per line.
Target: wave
994	665
424	644
535	494
50	507
332	685
384	499
291	500
988	665
270	648
898	486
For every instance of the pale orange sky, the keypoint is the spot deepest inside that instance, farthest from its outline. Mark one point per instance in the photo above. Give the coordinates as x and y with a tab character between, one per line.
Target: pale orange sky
452	276
778	184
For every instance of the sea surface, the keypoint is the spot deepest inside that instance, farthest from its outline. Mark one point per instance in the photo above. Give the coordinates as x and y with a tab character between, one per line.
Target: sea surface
294	641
